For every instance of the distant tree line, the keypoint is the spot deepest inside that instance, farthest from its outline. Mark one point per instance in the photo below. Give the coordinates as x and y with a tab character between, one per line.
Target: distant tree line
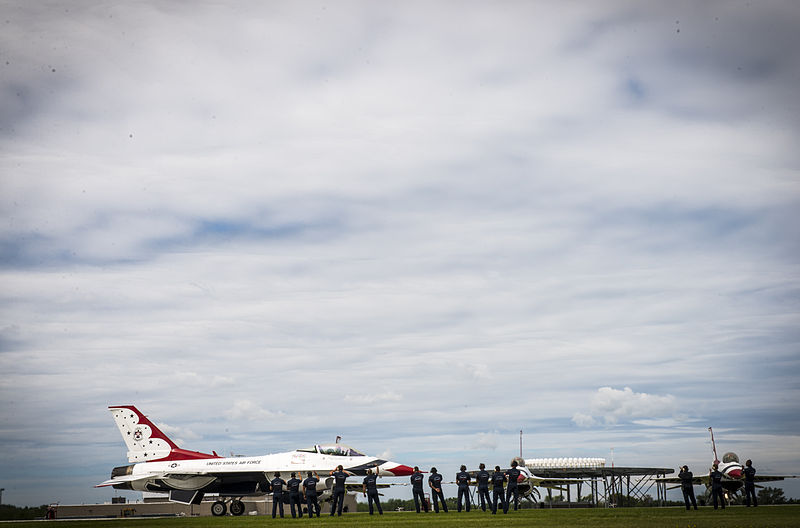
15	513
766	495
771	496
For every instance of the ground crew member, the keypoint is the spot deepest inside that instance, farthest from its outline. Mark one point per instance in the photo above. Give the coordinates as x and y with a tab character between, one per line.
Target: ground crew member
435	482
293	486
512	475
277	493
370	489
416	489
498	478
310	493
483	477
462	479
716	486
339	477
749	483
687	486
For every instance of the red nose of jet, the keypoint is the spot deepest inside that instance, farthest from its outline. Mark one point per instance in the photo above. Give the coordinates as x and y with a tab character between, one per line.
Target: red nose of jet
735	473
401	471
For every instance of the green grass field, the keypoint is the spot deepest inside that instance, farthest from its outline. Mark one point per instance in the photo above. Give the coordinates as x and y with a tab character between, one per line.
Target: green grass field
735	517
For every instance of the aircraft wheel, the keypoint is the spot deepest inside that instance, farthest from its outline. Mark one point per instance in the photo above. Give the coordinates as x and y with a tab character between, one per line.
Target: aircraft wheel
218	509
237	507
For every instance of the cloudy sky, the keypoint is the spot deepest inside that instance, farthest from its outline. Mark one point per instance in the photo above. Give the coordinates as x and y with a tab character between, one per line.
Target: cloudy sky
422	226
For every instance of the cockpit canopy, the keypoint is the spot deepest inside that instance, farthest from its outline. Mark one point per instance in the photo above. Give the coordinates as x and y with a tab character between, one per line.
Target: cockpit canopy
332	449
730	457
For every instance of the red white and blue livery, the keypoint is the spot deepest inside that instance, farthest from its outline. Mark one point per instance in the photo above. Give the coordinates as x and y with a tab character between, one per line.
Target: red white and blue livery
159	465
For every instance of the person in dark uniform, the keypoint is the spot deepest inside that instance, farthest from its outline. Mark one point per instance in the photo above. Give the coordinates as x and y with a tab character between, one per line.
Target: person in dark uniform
416	489
435	482
716	486
482	478
293	487
749	483
310	493
687	486
370	489
498	478
339	477
512	476
462	479
277	493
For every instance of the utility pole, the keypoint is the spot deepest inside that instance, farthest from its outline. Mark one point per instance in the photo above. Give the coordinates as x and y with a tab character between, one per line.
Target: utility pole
1	495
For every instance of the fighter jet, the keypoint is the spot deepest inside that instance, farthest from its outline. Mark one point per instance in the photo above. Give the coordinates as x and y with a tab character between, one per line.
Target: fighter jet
159	465
731	469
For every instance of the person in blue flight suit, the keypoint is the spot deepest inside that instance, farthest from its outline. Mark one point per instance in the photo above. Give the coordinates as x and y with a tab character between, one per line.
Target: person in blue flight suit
310	493
293	487
482	478
462	479
370	489
339	476
512	476
687	486
716	486
498	478
749	483
277	493
435	482
416	489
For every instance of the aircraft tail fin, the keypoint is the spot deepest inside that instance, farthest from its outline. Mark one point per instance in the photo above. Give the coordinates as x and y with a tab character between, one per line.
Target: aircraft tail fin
145	441
713	446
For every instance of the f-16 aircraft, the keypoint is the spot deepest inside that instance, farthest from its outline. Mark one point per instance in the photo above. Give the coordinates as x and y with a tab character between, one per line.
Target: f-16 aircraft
159	465
731	469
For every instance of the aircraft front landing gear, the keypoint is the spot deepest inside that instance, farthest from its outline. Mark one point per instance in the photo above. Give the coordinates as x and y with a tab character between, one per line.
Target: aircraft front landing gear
218	509
237	507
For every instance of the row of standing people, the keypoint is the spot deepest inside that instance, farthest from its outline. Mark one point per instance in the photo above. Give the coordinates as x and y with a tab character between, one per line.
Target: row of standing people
717	492
292	487
483	478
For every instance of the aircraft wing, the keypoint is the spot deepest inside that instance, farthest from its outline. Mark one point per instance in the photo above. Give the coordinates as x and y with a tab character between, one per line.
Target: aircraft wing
358	488
706	480
772	478
553	483
536	481
696	481
166	475
129	478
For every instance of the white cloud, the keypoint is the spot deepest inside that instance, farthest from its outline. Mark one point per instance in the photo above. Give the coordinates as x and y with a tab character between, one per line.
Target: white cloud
193	378
614	405
485	441
369	399
583	420
179	435
251	411
476	371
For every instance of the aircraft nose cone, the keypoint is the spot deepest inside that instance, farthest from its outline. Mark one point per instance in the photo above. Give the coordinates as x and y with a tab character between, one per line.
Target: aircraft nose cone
735	473
401	471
